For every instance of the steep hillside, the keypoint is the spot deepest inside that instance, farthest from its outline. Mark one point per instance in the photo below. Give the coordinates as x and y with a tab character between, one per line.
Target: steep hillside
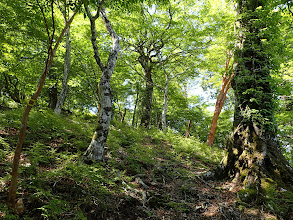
146	174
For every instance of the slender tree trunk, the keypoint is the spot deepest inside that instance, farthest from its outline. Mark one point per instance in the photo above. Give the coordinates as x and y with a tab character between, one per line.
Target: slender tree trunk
123	116
254	157
53	93
165	105
147	100
18	149
220	102
96	148
67	61
134	110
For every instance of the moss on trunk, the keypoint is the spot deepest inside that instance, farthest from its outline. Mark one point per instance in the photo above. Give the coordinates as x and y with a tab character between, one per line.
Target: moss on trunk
254	159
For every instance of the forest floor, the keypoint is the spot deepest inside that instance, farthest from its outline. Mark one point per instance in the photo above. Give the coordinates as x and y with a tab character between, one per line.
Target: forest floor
146	174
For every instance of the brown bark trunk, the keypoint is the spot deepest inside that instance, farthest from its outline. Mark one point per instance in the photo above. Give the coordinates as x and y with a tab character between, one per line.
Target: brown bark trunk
220	102
135	107
53	96
188	129
21	135
18	149
123	116
147	100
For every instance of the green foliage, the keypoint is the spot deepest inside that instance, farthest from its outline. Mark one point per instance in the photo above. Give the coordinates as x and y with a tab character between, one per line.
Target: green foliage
4	147
285	130
195	40
54	209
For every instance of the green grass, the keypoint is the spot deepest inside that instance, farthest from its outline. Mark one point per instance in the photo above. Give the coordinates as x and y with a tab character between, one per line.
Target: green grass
56	184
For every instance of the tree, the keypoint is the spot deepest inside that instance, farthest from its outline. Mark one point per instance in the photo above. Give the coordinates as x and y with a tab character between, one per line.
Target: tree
96	148
169	77
23	46
67	61
226	81
164	36
254	157
50	56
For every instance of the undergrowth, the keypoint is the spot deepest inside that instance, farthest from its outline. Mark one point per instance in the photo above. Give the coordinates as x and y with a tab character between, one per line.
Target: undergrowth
144	173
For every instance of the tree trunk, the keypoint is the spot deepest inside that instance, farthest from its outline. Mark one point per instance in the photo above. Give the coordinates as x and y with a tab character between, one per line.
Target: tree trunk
220	102
254	158
147	100
67	61
21	135
165	105
53	93
123	115
135	107
96	148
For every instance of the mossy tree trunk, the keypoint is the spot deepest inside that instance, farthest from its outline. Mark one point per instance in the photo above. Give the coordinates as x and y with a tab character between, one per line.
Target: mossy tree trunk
254	154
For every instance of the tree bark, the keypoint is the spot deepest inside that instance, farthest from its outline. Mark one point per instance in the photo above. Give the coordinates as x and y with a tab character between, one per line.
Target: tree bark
135	107
254	158
95	150
67	62
21	135
147	99
165	105
53	96
220	102
123	115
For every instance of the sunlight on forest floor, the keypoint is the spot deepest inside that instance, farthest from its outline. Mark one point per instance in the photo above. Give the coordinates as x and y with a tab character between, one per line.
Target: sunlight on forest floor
146	174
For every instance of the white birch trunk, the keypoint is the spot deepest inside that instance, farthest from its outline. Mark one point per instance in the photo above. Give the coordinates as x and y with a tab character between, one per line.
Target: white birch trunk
96	148
67	62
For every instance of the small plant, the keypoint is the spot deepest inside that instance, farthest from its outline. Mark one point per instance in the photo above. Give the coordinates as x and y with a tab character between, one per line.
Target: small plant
41	154
55	209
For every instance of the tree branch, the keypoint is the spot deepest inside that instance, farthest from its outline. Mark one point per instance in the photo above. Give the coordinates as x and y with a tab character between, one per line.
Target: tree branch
94	36
115	40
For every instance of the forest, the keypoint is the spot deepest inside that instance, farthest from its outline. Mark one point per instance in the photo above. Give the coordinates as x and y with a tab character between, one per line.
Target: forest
146	109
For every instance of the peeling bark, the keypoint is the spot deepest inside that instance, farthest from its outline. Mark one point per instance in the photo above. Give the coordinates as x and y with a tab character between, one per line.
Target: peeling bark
96	148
